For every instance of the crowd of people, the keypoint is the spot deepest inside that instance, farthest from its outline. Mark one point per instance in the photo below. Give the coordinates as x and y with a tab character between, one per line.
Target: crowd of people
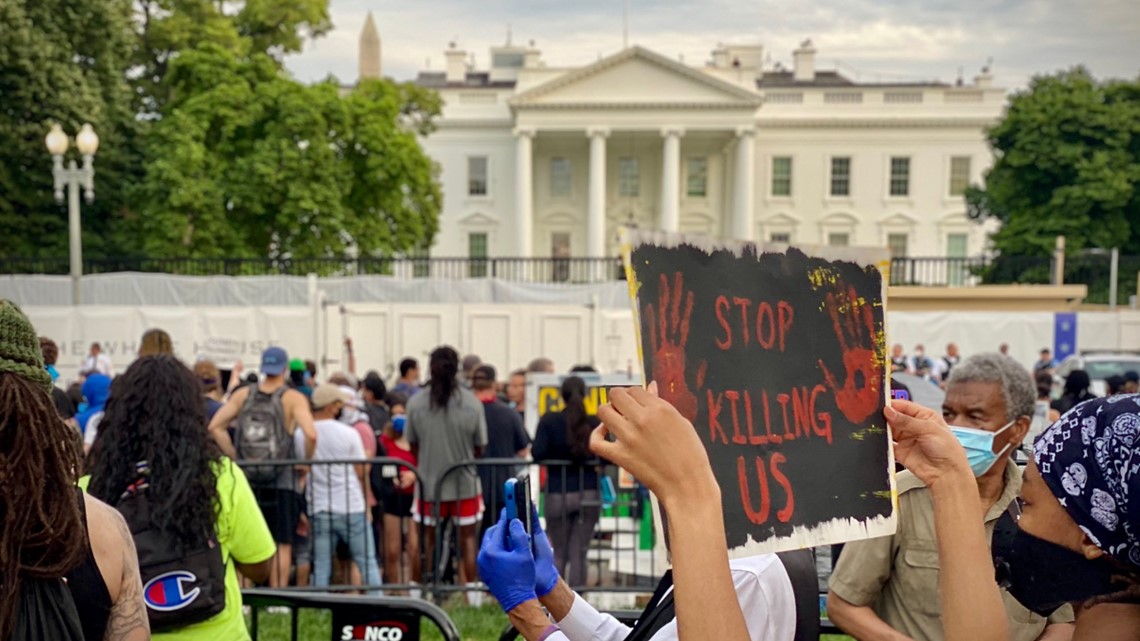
264	479
324	516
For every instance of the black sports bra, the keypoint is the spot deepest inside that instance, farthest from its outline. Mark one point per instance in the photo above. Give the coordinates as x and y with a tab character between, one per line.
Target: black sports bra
88	588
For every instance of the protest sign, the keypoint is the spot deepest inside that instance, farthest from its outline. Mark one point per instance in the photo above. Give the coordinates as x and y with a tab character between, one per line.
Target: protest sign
777	357
544	393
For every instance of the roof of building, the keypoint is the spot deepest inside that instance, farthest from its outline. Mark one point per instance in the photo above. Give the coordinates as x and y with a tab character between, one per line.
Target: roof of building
787	78
478	79
784	79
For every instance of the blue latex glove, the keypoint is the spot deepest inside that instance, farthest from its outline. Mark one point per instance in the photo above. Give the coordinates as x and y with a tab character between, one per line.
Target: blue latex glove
545	573
506	563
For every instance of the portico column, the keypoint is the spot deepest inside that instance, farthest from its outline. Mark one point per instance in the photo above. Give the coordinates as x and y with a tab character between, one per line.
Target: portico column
596	221
744	189
671	179
524	193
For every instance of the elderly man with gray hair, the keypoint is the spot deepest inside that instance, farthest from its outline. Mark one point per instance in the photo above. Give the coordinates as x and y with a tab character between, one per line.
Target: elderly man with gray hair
887	588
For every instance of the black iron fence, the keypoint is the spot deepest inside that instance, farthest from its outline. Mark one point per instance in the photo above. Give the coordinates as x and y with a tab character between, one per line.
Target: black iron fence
1091	268
548	270
969	271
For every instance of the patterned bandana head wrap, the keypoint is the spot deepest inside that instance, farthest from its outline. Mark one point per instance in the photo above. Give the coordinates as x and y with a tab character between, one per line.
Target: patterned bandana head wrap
1090	458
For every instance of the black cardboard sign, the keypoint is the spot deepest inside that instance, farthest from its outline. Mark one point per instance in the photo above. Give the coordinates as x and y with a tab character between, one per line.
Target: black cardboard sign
777	357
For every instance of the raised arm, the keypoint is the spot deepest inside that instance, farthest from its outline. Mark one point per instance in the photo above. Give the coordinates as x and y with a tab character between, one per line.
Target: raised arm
351	356
222	419
972	608
660	447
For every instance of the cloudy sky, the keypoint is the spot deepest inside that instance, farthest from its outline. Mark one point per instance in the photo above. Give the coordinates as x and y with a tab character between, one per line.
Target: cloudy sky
869	39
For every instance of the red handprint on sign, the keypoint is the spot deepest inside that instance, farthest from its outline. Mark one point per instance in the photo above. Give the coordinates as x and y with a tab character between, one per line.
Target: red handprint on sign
671	325
859	396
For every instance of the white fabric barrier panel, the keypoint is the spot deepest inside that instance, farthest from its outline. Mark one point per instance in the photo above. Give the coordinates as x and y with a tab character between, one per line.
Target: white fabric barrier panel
129	288
118	330
507	336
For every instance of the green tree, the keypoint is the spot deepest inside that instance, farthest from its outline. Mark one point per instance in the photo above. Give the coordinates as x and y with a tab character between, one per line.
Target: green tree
245	161
66	62
1067	162
245	27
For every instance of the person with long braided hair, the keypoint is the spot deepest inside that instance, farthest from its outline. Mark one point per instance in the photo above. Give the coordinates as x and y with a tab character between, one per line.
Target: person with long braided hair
155	415
446	425
67	566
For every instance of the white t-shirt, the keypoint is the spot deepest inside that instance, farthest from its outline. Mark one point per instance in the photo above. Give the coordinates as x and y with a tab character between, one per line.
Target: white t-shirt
97	364
334	487
762	587
92	429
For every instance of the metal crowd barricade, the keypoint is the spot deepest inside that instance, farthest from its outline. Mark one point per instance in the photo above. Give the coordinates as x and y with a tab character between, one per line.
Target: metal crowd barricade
617	538
302	485
368	616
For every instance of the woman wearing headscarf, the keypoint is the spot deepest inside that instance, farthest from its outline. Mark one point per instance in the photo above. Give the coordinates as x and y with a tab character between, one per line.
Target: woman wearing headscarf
1077	536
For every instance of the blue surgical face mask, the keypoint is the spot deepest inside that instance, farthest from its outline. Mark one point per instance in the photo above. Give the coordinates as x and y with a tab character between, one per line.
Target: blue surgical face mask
398	424
53	371
979	446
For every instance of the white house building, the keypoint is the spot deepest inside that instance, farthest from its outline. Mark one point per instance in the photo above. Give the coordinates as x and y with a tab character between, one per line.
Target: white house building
544	161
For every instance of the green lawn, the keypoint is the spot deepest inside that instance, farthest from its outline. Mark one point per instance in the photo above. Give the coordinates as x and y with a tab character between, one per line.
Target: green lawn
475	624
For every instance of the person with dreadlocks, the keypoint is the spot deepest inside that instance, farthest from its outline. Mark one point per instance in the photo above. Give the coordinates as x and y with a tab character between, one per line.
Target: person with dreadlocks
444	426
154	422
67	566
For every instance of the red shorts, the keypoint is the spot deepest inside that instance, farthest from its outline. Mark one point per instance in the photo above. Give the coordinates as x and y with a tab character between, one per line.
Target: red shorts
463	511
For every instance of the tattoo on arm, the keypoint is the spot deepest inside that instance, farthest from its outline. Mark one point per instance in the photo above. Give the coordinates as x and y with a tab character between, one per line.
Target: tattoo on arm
128	618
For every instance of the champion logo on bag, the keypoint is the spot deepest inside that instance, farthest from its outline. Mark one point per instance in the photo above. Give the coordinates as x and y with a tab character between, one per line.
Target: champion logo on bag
165	593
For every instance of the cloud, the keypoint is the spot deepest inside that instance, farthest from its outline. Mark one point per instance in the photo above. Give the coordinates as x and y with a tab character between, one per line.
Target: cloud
873	39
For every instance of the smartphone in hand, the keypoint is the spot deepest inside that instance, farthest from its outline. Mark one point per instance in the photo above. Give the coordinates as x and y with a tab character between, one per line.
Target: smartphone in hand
516	495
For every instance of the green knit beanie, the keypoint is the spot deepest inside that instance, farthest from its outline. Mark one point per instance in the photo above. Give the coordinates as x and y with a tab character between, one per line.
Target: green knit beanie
20	347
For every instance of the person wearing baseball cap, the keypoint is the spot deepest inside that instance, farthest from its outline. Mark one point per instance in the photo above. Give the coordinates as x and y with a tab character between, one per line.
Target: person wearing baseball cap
299	377
280	504
336	491
274	361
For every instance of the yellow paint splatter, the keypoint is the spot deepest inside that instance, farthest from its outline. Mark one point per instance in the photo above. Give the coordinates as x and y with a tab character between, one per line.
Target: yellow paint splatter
884	494
822	276
634	290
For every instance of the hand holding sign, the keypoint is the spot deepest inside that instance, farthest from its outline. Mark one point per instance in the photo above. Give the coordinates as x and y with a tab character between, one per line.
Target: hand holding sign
859	395
924	444
668	333
654	443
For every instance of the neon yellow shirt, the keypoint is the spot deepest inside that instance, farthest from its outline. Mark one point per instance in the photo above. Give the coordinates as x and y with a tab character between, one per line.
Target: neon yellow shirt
244	536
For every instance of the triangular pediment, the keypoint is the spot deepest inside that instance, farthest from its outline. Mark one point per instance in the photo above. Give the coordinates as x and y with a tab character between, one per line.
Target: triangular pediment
899	219
782	218
478	218
637	77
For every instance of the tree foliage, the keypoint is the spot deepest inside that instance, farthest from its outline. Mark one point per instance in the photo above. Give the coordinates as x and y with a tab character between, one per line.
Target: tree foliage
1067	162
209	148
64	62
247	162
246	27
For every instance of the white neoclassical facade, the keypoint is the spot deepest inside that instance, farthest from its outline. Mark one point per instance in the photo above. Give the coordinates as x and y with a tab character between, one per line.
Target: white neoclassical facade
543	161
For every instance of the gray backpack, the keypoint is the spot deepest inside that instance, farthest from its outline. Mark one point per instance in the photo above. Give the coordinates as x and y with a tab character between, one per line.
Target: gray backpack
260	436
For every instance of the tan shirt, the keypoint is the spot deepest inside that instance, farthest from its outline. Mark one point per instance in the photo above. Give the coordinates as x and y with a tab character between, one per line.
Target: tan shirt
898	575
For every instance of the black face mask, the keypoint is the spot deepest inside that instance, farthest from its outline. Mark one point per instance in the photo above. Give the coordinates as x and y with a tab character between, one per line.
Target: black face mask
1043	576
